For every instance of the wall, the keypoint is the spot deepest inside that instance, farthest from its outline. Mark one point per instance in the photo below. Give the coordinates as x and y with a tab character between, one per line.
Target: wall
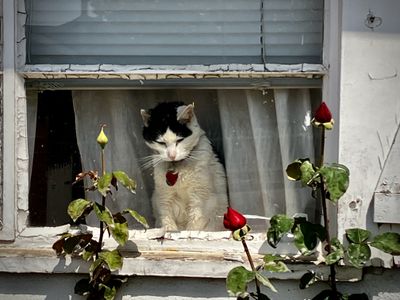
379	286
369	104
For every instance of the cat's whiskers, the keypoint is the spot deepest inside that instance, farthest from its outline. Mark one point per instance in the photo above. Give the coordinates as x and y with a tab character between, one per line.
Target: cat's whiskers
150	161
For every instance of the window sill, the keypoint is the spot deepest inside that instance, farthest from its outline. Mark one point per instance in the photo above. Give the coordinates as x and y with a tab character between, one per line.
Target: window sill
53	77
145	73
180	254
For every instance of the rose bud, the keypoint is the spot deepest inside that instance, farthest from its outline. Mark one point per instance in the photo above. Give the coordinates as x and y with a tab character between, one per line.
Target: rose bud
323	117
102	139
233	220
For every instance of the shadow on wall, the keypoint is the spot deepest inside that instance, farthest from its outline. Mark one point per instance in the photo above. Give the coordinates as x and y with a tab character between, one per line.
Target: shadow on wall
379	284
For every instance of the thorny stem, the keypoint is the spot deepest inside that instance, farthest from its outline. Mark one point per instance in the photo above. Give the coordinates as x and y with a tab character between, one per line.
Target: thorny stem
246	249
103	201
322	146
325	214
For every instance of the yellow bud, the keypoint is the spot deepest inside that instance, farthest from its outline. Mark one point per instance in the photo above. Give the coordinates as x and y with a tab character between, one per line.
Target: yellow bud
240	234
329	125
102	139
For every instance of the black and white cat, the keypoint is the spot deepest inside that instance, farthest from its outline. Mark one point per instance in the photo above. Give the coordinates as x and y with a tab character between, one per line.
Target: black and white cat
190	183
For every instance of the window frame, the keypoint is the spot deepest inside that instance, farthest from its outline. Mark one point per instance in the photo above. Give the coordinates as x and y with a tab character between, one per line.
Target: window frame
191	252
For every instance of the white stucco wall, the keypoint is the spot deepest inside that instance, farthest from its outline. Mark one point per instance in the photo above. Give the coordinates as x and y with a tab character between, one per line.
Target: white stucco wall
369	104
381	285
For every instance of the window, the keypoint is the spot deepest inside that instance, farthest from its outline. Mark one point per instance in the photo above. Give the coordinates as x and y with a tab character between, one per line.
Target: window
286	94
252	137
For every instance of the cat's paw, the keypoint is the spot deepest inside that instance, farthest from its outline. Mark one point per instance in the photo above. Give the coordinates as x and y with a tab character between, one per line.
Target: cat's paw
170	227
198	224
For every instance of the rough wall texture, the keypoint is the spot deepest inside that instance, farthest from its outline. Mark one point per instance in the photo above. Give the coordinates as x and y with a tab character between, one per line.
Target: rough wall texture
369	106
379	286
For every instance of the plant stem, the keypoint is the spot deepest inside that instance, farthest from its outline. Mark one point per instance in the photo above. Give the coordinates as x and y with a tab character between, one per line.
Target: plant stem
246	249
103	201
325	214
329	246
321	162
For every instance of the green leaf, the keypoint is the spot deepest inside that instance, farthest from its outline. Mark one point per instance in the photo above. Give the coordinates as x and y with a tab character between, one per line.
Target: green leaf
307	279
97	263
311	232
101	274
337	252
276	266
271	258
87	255
103	183
328	295
58	246
237	280
71	244
293	171
113	259
109	293
334	257
388	242
307	172
358	254
139	218
274	263
124	179
78	207
299	241
120	232
336	244
301	169
336	178
357	235
279	226
82	287
265	281
103	213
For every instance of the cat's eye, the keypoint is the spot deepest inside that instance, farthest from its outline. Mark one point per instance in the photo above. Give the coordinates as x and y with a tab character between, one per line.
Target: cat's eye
179	140
161	143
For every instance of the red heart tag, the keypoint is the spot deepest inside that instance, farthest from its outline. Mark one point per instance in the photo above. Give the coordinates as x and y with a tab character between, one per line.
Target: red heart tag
171	177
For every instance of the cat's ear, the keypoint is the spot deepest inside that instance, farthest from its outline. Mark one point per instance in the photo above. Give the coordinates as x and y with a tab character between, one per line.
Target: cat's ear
145	117
185	113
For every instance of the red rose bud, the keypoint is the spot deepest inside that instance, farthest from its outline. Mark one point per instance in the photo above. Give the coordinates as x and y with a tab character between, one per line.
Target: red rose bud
171	177
323	114
233	220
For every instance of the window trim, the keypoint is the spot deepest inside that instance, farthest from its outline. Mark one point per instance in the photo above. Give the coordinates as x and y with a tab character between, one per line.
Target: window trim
33	245
9	146
183	254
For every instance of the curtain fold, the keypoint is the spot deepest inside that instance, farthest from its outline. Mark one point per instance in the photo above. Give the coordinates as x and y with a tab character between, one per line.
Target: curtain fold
255	134
293	114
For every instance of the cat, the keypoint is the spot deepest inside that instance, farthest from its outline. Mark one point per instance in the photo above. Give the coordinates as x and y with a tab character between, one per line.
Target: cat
189	181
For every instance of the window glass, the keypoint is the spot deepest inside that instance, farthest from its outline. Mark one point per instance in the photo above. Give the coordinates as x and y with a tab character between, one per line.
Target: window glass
253	133
168	32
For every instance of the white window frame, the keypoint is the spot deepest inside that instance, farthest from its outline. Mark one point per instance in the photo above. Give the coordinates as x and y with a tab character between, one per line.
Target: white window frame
187	254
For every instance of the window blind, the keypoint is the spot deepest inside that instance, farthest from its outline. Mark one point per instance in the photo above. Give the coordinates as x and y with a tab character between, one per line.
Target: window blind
173	31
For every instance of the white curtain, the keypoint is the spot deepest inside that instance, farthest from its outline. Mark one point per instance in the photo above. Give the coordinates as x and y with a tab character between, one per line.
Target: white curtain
255	133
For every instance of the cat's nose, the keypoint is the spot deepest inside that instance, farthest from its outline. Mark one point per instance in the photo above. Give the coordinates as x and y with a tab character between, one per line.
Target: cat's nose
171	154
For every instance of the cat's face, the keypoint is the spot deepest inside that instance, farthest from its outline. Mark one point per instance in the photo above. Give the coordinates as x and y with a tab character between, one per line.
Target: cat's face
171	130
